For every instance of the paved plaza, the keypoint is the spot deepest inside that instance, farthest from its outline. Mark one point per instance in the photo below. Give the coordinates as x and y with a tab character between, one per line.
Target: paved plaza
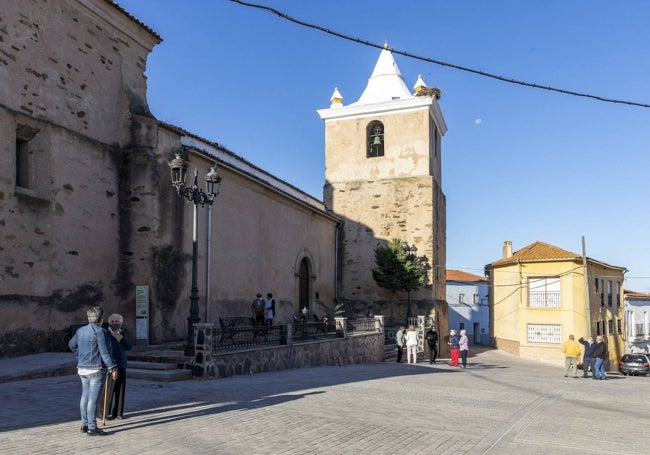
500	404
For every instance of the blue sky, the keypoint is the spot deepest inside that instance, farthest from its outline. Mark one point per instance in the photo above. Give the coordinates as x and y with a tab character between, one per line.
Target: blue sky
519	163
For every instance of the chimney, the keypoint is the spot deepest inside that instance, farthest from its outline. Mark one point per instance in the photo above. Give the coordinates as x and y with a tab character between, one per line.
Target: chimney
507	249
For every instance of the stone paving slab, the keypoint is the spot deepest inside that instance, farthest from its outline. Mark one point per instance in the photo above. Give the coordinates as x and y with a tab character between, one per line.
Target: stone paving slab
37	366
498	405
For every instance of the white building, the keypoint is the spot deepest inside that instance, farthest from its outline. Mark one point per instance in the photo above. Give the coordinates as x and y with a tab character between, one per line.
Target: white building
467	296
637	318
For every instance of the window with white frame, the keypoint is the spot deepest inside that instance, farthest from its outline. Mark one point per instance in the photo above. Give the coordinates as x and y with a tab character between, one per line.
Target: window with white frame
544	292
476	300
609	293
545	333
461	298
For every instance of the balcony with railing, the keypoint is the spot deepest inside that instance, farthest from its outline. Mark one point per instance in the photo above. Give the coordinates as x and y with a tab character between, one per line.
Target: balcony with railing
544	299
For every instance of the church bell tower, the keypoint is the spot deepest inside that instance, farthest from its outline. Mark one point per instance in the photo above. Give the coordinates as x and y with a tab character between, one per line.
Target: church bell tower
383	178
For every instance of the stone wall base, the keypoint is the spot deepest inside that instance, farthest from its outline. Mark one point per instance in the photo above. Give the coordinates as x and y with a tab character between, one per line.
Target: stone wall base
362	348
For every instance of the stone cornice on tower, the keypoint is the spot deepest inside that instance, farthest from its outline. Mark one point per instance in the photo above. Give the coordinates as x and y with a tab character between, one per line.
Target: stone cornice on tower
388	108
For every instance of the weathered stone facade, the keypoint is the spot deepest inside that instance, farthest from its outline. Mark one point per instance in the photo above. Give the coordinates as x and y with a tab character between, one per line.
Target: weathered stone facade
90	212
395	195
71	74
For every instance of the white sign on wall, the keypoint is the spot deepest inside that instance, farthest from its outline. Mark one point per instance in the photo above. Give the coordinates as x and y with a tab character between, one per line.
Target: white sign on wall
142	314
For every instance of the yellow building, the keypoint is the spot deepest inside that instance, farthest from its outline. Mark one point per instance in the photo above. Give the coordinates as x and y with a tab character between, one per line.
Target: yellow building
540	295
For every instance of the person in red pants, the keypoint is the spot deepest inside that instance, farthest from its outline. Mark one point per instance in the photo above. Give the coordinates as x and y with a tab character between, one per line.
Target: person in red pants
454	347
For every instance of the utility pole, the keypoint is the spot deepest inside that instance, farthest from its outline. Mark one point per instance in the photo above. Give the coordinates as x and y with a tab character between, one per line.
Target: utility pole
586	279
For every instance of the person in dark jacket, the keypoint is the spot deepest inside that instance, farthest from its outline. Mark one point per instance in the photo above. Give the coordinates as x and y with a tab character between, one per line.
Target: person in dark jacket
91	346
432	340
600	353
117	388
399	340
588	359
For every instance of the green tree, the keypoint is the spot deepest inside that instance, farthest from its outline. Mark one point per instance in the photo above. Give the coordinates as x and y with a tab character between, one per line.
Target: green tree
399	268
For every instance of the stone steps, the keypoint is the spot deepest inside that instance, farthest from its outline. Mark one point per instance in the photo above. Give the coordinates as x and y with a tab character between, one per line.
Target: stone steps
390	353
157	371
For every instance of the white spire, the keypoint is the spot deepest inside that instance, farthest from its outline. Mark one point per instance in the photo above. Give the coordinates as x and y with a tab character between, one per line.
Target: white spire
386	82
336	99
419	84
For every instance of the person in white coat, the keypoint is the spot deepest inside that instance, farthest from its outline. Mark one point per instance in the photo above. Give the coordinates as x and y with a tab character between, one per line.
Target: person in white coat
411	344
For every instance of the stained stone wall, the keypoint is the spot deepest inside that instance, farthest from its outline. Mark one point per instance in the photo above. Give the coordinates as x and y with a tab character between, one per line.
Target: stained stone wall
71	75
97	215
397	195
411	209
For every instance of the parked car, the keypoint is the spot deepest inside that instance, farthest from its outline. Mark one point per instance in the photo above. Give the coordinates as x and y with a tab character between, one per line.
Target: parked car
634	364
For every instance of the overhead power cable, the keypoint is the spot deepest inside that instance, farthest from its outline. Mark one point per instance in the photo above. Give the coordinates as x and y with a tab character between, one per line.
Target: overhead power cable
437	62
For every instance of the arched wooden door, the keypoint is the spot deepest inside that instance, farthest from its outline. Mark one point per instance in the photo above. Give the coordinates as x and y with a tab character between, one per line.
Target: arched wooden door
304	284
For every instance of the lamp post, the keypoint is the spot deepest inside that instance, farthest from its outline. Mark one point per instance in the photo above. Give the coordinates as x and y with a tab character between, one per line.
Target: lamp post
409	251
196	195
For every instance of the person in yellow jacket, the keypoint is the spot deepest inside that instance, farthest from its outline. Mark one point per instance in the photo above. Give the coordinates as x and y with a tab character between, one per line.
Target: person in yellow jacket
571	350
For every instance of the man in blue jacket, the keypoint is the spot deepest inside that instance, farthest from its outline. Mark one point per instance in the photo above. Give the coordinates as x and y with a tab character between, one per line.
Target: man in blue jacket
92	347
588	358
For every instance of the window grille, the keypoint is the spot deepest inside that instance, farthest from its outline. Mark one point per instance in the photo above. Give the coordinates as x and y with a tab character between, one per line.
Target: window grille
545	333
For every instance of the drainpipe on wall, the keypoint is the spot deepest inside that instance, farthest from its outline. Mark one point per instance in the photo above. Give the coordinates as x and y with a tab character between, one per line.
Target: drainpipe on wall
336	263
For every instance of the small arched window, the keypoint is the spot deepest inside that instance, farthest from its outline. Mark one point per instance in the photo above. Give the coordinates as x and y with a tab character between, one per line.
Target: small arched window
375	139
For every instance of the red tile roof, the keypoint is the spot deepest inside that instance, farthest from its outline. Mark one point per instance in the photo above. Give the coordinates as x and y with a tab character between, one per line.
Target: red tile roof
457	275
540	252
629	293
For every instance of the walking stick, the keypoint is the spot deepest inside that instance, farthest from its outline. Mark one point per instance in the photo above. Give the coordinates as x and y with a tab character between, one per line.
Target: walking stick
105	400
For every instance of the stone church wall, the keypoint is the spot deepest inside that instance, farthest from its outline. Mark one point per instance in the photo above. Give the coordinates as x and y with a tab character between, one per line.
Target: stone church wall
99	216
66	91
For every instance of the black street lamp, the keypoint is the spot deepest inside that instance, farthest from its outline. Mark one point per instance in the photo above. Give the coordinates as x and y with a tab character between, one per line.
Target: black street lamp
196	195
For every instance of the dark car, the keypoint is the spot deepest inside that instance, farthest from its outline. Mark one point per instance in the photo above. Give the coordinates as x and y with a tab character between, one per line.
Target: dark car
634	364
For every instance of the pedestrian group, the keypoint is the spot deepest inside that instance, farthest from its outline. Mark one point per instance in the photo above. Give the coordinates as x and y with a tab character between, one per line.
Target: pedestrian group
594	355
409	338
101	365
